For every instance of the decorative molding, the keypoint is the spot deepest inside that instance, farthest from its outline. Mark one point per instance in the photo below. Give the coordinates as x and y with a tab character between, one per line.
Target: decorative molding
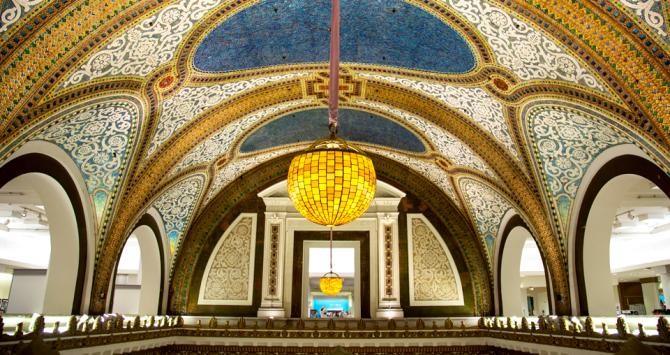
433	276
274	258
463	335
234	169
389	265
430	171
228	277
273	264
388	260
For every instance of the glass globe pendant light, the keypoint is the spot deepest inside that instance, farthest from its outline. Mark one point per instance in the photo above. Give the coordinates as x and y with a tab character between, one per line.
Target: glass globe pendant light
332	182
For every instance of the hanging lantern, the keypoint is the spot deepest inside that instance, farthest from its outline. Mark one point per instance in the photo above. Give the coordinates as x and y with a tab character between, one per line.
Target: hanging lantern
330	283
331	183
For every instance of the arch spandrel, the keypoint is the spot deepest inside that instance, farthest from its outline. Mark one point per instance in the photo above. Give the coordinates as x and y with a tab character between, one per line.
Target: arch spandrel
565	140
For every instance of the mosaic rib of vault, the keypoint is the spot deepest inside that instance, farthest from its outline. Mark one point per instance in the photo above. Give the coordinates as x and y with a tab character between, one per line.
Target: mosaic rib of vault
487	208
189	102
451	147
566	142
99	138
232	170
176	206
221	141
474	103
429	170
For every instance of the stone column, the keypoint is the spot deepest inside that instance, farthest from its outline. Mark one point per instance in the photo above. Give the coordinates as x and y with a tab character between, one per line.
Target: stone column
273	260
389	266
650	294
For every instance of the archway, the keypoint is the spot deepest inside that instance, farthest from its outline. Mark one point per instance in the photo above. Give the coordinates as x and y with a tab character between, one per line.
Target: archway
140	271
600	214
522	278
38	207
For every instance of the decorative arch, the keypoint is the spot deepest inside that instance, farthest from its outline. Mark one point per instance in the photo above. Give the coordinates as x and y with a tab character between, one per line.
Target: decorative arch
47	170
614	169
518	230
153	265
240	196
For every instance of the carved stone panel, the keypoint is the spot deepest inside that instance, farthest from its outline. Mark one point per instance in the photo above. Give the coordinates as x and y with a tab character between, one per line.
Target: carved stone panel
228	277
433	277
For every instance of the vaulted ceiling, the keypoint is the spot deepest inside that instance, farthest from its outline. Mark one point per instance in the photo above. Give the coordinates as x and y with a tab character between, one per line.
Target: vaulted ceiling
503	105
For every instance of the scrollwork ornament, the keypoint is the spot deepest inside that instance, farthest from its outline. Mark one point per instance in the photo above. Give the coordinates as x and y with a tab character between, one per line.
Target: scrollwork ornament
176	206
228	277
190	102
567	142
146	46
651	12
14	10
521	48
434	279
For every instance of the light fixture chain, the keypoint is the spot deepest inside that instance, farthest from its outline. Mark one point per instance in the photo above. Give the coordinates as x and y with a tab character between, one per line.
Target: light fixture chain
331	249
334	89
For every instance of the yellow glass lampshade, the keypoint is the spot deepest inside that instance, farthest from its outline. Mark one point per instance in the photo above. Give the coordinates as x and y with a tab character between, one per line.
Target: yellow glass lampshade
331	183
330	284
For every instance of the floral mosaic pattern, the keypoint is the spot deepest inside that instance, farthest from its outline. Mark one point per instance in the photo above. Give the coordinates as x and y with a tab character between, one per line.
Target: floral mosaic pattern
567	141
429	170
14	10
474	103
176	206
523	49
651	12
220	142
99	138
146	46
228	276
189	102
234	169
453	148
487	208
433	278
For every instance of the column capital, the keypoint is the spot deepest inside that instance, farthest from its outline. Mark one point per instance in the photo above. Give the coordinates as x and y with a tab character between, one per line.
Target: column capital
275	217
387	218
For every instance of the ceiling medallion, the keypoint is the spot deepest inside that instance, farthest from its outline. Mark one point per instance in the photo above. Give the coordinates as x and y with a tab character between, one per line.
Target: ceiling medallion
332	183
